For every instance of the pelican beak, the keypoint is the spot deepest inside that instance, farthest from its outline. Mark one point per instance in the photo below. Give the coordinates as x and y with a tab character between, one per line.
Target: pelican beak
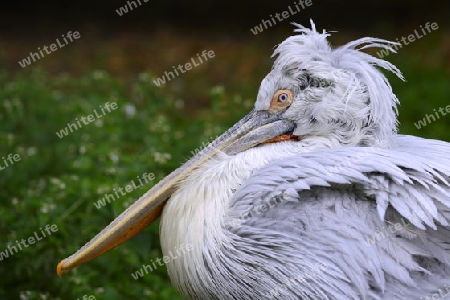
254	129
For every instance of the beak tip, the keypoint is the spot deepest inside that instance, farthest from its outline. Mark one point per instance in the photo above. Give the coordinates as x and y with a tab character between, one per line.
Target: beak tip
59	268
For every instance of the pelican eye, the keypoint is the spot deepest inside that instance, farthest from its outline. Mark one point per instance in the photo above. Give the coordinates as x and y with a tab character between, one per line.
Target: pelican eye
281	99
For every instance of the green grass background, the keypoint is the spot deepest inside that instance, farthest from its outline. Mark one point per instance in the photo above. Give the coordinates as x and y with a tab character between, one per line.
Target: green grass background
58	180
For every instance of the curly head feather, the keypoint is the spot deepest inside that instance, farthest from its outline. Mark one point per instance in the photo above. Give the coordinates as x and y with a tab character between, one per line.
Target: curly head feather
339	93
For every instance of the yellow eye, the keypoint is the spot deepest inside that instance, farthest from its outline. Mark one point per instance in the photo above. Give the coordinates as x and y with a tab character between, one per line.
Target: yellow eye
281	99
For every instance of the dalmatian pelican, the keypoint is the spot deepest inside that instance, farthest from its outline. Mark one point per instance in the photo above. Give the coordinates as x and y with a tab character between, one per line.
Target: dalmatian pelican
312	195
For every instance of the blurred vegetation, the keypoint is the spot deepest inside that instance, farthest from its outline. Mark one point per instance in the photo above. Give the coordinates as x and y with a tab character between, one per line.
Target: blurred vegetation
153	130
58	180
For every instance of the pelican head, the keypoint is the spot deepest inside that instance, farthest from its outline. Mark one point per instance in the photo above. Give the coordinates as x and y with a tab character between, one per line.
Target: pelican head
314	97
338	94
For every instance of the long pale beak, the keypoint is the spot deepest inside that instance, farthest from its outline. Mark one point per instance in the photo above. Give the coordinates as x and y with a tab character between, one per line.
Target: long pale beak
254	129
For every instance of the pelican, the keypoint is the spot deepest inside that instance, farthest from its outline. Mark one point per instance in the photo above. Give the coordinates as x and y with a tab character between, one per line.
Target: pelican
312	195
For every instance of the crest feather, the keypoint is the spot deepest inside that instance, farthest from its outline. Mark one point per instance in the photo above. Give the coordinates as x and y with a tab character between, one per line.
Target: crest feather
310	51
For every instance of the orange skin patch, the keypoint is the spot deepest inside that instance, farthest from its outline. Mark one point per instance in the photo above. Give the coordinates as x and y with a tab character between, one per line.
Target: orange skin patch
281	138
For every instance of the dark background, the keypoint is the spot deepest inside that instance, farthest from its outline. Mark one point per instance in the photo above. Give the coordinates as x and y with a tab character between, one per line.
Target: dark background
35	23
116	59
223	16
157	35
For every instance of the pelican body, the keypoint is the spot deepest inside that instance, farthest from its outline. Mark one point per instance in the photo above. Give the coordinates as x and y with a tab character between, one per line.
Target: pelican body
312	195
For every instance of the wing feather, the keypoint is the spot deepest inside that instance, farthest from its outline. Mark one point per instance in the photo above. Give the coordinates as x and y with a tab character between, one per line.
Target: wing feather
398	230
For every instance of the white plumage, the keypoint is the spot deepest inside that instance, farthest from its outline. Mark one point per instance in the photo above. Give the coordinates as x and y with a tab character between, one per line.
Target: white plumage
348	179
351	210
